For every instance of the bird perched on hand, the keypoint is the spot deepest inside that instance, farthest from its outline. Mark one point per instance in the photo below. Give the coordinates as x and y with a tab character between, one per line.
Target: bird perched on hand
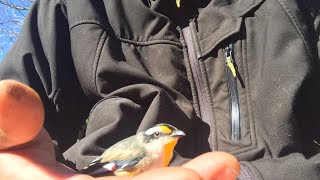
136	154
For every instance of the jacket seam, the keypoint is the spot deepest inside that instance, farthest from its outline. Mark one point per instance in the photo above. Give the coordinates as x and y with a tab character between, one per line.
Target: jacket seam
196	38
226	35
213	119
248	97
190	77
139	43
253	5
296	24
97	58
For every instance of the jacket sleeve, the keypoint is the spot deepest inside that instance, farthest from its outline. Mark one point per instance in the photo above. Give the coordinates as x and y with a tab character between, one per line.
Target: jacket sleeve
293	166
41	58
299	165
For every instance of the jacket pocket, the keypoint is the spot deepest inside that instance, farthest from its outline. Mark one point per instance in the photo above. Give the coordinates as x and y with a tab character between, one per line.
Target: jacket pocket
227	73
232	74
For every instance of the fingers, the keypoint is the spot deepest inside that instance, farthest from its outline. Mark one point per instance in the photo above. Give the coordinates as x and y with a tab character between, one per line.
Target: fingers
215	165
176	173
21	114
87	177
209	166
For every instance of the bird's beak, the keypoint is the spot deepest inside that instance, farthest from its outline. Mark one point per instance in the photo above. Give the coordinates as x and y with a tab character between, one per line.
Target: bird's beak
177	133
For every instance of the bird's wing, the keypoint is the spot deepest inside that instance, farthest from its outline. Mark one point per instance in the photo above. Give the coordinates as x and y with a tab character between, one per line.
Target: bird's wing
126	164
121	156
125	150
97	167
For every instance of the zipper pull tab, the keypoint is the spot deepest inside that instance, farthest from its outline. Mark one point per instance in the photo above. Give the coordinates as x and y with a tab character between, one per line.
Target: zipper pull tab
229	61
232	64
178	3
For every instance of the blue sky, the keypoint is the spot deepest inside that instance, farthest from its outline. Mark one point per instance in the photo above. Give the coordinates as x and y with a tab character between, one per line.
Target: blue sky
10	22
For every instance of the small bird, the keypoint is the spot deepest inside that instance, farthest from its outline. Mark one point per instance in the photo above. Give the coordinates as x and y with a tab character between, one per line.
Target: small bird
146	150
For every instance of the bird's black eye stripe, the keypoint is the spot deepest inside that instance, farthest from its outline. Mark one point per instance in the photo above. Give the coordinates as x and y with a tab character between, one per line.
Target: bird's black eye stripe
154	135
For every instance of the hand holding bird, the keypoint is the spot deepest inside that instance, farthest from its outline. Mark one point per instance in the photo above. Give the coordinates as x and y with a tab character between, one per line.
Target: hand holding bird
35	159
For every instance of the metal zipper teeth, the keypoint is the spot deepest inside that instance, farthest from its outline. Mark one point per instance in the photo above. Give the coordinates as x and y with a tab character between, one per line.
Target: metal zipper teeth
197	75
232	73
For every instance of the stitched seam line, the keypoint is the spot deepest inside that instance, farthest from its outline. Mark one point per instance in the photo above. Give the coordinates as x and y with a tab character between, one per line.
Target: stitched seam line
253	5
139	43
150	42
249	99
190	77
228	34
207	88
97	58
296	24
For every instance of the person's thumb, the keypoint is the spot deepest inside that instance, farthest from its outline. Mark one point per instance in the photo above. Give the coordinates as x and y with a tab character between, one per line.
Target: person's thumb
215	166
21	114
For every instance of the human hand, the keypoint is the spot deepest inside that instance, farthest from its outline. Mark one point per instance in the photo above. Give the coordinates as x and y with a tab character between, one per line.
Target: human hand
26	150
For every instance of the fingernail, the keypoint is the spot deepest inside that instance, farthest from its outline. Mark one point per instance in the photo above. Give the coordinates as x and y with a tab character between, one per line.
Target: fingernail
228	174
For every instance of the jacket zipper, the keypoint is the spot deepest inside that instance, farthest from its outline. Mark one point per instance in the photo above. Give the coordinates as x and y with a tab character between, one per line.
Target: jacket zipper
232	76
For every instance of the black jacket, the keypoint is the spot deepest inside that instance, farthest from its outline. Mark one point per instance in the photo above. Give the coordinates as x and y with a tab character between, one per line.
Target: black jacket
236	76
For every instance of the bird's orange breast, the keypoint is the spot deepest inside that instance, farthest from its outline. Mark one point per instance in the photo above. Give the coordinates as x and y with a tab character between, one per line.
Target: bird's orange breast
168	151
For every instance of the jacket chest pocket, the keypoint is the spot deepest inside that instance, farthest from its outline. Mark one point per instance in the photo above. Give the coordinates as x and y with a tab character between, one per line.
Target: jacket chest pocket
232	75
226	71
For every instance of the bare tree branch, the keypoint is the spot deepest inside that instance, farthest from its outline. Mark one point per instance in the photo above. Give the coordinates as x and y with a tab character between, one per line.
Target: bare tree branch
12	16
14	6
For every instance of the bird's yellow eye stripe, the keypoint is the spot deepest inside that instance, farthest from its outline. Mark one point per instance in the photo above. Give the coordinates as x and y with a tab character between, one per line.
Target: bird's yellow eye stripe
165	129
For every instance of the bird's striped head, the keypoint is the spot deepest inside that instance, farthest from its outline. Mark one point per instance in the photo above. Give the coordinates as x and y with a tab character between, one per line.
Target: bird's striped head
162	130
161	139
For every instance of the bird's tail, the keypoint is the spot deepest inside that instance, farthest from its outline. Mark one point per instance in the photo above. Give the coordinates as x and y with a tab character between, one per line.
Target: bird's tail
96	168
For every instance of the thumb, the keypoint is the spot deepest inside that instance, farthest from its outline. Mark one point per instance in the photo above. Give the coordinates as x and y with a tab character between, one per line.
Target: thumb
215	165
21	114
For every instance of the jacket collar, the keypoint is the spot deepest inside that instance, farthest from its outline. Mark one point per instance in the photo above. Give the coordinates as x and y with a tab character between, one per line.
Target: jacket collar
133	21
219	20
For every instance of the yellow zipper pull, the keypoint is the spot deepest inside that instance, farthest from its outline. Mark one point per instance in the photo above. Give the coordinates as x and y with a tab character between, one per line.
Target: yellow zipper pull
178	3
231	66
231	63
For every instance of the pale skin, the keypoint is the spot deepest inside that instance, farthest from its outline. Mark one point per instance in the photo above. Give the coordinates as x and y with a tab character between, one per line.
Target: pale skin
33	157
